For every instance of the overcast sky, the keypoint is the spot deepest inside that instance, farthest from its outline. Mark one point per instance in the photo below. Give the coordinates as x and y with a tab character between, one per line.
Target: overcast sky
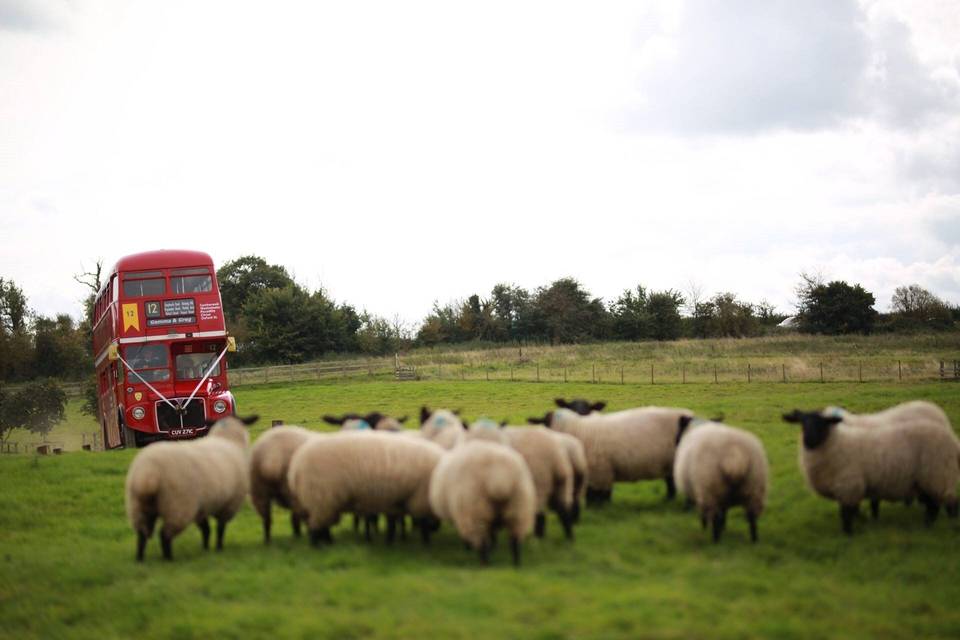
399	153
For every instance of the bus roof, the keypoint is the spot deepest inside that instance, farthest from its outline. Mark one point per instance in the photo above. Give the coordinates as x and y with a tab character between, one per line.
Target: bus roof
162	259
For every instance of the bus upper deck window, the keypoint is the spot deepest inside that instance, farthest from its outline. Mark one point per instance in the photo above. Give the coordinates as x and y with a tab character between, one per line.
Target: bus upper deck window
143	283
191	284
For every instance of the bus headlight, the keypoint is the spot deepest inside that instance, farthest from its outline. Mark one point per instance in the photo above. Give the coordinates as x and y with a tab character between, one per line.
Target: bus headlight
219	406
138	413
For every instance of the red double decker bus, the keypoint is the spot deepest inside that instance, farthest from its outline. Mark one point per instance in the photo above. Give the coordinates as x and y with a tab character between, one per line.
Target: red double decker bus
160	343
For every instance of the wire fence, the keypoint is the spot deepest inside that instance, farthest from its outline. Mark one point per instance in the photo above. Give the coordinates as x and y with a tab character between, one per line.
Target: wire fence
699	372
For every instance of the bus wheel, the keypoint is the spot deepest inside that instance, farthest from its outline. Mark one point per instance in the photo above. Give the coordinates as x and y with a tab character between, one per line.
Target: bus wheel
131	439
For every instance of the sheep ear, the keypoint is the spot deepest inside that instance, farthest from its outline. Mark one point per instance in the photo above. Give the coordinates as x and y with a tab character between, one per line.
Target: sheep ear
598	406
793	416
560	402
456	412
535	421
425	414
684	422
333	419
466	425
249	420
403	419
504	423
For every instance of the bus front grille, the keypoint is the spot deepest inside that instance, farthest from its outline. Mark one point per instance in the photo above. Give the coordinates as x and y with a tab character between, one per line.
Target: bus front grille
168	418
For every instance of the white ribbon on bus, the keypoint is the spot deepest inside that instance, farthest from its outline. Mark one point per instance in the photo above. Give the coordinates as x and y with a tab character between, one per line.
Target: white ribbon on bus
178	407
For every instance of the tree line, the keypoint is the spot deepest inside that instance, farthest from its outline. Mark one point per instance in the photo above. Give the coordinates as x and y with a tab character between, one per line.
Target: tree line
278	320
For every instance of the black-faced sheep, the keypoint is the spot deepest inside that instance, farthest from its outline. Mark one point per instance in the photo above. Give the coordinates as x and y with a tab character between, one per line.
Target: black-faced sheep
891	461
190	481
482	487
269	462
442	427
364	472
718	467
625	446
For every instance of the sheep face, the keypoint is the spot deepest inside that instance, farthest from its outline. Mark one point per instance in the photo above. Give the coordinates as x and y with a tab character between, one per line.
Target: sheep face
816	426
580	405
546	420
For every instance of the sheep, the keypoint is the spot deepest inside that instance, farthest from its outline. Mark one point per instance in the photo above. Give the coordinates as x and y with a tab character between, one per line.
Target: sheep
191	481
580	406
441	426
578	462
362	471
552	472
718	467
269	462
373	420
549	465
483	486
625	446
902	413
889	461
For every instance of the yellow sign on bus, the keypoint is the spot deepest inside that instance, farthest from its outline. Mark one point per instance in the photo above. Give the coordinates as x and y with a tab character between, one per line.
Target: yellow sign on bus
131	316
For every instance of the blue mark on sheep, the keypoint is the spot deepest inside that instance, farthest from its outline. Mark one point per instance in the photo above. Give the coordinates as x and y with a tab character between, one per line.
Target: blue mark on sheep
363	424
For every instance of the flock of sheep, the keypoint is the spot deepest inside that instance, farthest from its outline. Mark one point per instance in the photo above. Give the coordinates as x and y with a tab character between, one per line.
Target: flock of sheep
484	477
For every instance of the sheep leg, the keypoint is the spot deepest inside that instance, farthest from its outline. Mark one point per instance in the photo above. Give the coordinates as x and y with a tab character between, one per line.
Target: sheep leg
608	495
875	508
370	524
515	550
391	528
719	522
144	534
540	525
752	519
295	523
141	545
594	496
166	543
204	526
403	527
566	519
671	486
847	513
356	522
485	552
575	511
933	508
221	529
952	509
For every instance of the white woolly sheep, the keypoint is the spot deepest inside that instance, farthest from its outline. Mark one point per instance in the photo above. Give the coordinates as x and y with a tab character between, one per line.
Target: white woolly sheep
891	461
718	467
549	465
483	486
269	462
578	462
192	481
625	446
552	473
365	472
441	426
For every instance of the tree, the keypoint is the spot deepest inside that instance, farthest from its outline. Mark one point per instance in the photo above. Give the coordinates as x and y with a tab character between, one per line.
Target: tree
242	278
37	407
567	313
630	317
664	309
834	308
916	307
13	308
513	313
59	348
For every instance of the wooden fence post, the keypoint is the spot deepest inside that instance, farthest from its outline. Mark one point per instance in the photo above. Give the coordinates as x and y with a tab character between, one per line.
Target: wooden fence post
564	374
621	375
784	372
900	370
941	369
715	381
683	368
748	372
821	372
651	373
538	371
593	374
860	372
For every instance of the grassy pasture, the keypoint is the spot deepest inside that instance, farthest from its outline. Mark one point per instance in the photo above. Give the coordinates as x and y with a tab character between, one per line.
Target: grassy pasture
640	567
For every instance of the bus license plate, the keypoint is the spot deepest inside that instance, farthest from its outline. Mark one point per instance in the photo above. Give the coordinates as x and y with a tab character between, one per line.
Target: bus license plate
180	433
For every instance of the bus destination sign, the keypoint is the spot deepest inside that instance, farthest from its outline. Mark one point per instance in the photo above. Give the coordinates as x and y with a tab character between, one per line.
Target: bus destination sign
183	307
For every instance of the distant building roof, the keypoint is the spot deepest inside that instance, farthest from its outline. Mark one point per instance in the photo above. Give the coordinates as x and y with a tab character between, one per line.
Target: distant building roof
790	322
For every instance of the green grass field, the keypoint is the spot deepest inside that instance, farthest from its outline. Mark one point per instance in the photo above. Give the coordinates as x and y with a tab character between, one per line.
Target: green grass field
640	567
